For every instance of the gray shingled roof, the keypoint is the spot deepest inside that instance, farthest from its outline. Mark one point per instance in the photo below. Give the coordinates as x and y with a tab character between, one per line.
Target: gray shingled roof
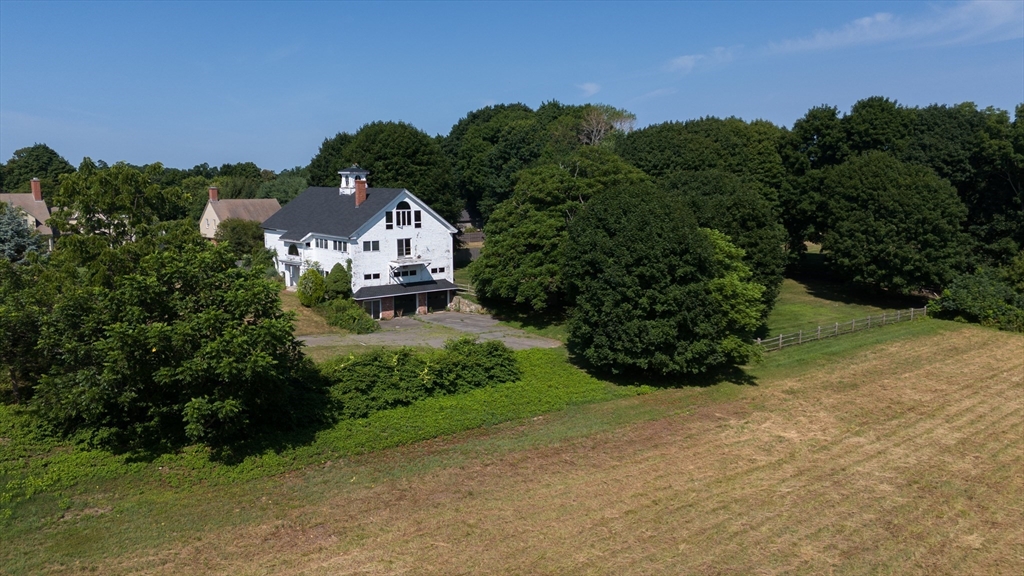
369	292
326	211
256	210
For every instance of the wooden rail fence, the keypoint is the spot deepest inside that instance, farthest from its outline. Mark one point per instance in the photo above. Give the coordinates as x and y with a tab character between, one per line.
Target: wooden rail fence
839	328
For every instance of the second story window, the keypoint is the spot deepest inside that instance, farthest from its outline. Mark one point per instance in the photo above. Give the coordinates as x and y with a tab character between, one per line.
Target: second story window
389	220
417	217
404	247
340	246
371	245
321	243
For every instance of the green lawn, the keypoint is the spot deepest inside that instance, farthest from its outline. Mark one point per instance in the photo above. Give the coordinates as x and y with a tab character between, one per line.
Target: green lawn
61	503
806	304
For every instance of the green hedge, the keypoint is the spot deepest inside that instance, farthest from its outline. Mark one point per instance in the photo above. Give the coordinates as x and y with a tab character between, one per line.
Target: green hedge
383	379
987	297
348	315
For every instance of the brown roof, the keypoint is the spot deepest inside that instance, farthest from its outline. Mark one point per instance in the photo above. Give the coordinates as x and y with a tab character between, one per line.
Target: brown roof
38	210
255	210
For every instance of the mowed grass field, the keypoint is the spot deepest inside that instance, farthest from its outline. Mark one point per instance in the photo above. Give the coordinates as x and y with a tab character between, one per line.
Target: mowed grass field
898	451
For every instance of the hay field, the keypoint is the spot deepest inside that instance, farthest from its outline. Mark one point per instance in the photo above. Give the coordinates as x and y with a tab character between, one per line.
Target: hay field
903	458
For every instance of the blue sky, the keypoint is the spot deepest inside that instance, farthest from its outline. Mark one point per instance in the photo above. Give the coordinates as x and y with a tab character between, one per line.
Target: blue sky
191	82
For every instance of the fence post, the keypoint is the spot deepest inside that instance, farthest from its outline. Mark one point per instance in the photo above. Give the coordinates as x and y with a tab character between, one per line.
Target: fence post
853	326
837	328
780	341
911	314
819	333
800	337
898	314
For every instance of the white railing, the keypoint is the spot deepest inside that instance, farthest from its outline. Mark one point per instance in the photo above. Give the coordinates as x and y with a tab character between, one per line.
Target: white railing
839	328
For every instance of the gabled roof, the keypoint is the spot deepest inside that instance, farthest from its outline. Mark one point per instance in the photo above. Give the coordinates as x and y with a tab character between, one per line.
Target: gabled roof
36	209
256	210
326	211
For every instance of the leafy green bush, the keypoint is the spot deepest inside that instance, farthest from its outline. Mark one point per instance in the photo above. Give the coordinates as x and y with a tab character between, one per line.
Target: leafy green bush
339	282
311	288
383	379
347	314
986	297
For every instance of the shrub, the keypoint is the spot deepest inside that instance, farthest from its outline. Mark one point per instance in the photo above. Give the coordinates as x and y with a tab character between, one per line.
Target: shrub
985	297
383	379
339	282
347	314
311	288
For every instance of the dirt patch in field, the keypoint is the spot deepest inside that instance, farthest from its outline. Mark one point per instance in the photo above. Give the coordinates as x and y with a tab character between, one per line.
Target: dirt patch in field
906	458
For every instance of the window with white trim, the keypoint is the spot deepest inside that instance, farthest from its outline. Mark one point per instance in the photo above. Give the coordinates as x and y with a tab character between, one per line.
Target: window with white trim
403	214
371	245
404	247
340	246
321	243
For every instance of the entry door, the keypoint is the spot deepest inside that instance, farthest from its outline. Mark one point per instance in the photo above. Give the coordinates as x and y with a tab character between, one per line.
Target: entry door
372	308
293	274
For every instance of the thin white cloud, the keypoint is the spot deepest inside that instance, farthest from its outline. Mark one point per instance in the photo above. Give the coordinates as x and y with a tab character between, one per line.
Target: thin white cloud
654	94
589	88
686	63
964	23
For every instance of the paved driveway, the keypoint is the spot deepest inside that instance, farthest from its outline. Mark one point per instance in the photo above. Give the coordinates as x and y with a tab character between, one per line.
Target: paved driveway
433	330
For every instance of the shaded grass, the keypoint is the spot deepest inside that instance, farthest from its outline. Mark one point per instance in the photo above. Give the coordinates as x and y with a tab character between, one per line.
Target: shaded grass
462	276
807	303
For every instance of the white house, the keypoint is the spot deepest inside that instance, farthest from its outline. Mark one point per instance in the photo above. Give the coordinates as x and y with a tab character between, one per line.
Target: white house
400	249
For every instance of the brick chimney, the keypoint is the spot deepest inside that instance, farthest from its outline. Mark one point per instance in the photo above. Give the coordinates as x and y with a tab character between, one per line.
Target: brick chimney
37	190
360	191
213	193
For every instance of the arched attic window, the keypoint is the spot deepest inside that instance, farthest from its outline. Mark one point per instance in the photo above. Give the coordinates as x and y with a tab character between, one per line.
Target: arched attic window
403	215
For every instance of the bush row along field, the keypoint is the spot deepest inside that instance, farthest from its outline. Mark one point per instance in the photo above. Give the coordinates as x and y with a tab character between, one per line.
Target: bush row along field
40	468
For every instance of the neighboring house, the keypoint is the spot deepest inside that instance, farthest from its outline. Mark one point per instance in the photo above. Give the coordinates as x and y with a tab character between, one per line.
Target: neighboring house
34	208
401	250
218	211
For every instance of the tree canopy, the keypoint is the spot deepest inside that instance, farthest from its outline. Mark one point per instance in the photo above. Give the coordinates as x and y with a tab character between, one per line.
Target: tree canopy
652	291
520	265
398	156
739	209
893	225
37	161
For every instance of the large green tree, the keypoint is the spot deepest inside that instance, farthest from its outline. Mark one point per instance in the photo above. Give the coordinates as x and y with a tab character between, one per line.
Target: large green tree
183	347
398	155
738	208
519	265
749	150
37	161
114	203
652	291
241	237
893	225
